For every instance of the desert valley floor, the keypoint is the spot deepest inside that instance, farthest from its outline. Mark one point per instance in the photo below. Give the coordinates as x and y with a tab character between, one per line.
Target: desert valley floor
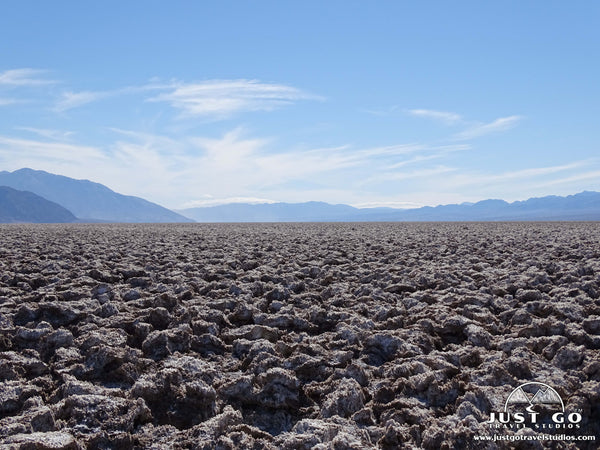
300	336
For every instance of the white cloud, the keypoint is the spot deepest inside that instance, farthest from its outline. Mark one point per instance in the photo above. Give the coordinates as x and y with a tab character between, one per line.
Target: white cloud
77	161
13	149
380	111
444	116
474	129
389	172
206	171
330	164
511	176
182	170
233	167
24	77
56	135
194	171
70	100
231	151
128	168
389	150
166	144
224	98
593	175
213	98
515	184
481	129
239	161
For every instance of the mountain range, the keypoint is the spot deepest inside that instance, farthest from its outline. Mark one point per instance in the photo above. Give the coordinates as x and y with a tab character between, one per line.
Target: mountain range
87	200
37	196
20	206
582	206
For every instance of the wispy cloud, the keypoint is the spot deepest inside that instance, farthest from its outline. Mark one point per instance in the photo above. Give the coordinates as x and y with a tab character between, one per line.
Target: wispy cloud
24	77
481	129
254	162
224	98
443	116
28	149
70	100
512	183
150	140
590	175
198	170
232	167
430	153
388	150
230	152
537	171
474	129
57	157
216	99
126	167
74	99
510	176
380	111
56	135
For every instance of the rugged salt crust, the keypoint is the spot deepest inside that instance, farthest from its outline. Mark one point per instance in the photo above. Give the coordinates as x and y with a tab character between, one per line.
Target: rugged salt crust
291	336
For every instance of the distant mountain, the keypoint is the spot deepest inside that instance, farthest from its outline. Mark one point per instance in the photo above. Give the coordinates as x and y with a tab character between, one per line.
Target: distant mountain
22	206
95	202
88	200
272	212
582	206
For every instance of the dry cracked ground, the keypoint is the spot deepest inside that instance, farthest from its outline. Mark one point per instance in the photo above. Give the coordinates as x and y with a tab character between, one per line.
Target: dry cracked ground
293	336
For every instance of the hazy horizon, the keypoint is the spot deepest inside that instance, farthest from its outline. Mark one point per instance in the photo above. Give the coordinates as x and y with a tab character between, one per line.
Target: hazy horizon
258	202
399	105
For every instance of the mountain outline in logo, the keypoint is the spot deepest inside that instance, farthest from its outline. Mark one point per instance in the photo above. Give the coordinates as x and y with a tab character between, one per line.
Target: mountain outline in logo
544	395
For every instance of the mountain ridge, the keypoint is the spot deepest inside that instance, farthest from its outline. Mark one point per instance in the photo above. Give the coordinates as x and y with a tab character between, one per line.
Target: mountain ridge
581	206
88	200
94	202
26	207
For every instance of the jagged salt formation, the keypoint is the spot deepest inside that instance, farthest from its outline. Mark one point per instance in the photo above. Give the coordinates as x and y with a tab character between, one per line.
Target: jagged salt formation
290	336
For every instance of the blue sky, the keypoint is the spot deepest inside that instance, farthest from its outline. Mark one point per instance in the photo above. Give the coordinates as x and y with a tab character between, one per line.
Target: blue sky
403	104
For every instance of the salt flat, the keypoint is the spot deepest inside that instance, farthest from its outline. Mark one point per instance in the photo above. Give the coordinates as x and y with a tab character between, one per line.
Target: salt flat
372	335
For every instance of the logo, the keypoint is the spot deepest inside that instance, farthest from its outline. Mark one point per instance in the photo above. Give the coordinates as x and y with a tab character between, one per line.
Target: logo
531	394
534	405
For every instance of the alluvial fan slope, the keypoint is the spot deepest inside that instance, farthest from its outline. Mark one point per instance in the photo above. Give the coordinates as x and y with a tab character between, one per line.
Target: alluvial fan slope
292	335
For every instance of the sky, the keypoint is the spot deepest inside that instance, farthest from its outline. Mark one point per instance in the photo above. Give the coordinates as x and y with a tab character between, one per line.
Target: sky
381	103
